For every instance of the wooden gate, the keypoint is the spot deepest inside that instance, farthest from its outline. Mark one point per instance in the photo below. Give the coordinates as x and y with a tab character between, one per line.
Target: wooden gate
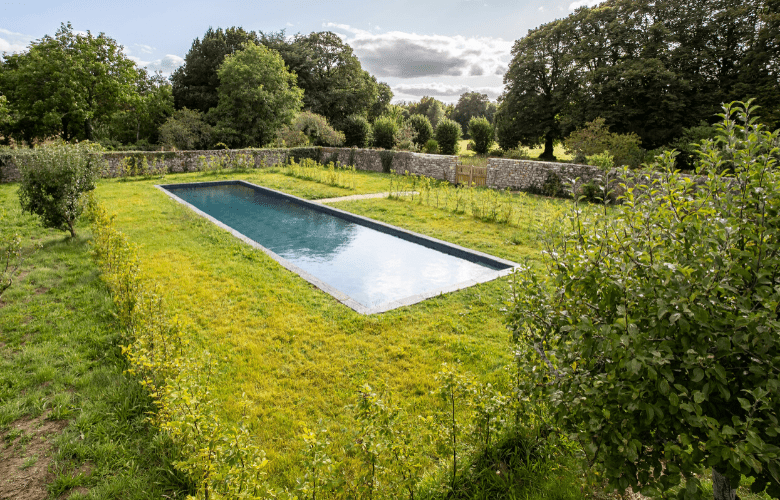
471	176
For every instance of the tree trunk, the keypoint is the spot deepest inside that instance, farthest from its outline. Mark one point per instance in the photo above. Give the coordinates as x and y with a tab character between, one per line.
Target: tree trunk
721	487
548	149
88	129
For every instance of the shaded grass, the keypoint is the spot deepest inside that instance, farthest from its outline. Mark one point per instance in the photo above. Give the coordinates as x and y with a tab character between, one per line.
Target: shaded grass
60	357
297	354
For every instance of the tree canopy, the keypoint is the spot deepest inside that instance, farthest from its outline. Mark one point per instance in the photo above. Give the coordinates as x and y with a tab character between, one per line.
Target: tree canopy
63	85
649	68
473	105
195	83
257	96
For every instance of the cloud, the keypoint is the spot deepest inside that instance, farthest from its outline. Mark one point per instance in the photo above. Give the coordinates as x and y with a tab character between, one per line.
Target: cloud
442	90
145	49
166	64
584	3
408	55
13	42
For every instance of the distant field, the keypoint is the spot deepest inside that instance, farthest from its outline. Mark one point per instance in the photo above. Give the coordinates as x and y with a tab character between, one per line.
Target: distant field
535	152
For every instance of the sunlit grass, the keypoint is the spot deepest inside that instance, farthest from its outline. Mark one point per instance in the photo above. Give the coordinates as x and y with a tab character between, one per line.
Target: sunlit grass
558	151
297	354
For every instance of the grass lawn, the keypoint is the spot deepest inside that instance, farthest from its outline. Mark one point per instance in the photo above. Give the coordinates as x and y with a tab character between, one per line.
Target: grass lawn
297	354
71	420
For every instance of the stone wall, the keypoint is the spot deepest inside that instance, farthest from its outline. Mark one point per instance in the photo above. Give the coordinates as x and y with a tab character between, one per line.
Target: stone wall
525	175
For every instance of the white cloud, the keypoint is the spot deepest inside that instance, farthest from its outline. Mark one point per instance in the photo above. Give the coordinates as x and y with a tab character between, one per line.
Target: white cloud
144	49
408	55
166	64
541	9
441	90
12	42
290	24
584	3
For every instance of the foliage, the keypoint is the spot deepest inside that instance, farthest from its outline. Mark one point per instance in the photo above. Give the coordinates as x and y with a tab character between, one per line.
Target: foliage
307	129
688	143
430	107
144	112
385	131
422	127
12	254
54	178
196	81
334	83
482	133
406	138
222	460
63	85
473	105
431	147
653	334
257	96
357	131
139	165
386	157
540	82
330	174
186	130
595	138
605	161
448	134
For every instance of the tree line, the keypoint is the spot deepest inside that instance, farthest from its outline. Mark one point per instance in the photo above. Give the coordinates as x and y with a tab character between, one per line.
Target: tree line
656	69
236	88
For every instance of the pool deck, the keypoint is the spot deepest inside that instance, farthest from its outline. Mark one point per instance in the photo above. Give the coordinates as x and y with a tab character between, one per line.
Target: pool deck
359	197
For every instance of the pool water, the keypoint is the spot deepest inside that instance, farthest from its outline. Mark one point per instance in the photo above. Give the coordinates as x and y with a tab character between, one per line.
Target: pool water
370	266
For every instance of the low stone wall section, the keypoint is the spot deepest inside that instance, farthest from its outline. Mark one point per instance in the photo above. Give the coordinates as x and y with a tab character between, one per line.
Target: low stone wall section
524	175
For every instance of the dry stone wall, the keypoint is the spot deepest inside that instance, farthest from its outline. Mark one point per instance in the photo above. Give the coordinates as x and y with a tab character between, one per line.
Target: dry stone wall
524	175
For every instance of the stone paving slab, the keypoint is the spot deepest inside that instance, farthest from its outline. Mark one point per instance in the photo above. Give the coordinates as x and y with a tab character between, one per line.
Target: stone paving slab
358	197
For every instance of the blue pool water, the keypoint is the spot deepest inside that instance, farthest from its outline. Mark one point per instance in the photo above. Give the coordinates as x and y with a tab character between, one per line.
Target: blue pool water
368	265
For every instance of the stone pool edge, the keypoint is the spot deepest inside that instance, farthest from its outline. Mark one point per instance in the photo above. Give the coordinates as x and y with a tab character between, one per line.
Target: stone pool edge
420	239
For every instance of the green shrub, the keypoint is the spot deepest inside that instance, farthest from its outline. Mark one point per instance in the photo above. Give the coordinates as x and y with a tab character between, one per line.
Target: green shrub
385	131
688	142
431	147
518	153
595	138
387	160
482	133
653	339
605	161
422	126
317	129
406	137
357	132
54	180
448	133
186	130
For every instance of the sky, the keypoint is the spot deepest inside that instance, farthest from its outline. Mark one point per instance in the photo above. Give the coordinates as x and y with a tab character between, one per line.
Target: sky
439	48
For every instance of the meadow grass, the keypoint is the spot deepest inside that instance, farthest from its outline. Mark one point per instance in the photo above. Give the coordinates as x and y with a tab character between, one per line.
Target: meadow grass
297	354
60	359
558	151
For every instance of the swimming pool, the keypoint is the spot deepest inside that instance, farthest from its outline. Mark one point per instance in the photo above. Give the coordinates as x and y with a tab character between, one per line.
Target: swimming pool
365	264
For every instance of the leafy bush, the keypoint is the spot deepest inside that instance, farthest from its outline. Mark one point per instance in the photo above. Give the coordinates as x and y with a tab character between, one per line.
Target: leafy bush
605	161
186	130
595	138
286	137
406	138
688	142
448	133
317	129
654	335
387	160
422	126
357	132
518	153
482	133
54	180
431	147
385	131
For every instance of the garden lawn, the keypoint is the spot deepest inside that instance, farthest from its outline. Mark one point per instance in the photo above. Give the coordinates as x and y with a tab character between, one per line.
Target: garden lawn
299	355
72	422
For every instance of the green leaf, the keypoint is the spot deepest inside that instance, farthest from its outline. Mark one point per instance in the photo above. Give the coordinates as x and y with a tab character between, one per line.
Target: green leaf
663	387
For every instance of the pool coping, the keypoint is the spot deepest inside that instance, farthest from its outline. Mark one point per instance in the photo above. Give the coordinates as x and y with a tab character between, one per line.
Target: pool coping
420	239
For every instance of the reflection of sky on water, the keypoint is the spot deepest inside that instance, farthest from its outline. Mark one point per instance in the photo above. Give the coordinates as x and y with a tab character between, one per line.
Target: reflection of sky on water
370	266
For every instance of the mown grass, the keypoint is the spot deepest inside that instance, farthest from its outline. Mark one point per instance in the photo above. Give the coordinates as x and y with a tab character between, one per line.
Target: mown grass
559	151
60	358
297	354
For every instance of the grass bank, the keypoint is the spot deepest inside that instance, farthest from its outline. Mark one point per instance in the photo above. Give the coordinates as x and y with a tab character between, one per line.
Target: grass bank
71	421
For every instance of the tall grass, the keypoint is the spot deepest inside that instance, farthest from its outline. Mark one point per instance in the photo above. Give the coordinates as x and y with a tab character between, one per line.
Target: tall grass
331	174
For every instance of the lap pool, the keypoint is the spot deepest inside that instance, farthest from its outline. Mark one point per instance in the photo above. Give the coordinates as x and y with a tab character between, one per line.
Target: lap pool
365	264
